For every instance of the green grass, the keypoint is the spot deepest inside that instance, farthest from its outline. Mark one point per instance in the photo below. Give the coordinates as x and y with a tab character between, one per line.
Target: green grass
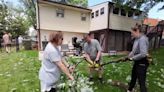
19	73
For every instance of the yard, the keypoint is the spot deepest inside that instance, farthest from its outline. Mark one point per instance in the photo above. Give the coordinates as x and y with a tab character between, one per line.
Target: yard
19	73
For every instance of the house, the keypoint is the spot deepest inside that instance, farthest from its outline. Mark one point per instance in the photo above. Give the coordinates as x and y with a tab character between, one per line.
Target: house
154	30
111	25
73	21
151	21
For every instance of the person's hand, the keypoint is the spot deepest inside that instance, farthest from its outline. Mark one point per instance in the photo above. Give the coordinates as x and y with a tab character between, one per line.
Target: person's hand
126	59
71	77
96	60
72	68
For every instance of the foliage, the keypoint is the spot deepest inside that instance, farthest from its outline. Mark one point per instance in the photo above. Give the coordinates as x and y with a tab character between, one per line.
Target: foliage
82	3
12	19
29	9
145	5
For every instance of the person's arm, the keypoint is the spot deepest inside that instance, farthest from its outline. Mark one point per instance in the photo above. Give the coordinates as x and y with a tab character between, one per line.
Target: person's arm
64	69
70	67
143	48
87	57
3	39
55	57
131	54
64	60
99	51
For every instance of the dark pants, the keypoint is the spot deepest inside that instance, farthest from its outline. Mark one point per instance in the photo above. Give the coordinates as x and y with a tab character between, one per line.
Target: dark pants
52	90
139	72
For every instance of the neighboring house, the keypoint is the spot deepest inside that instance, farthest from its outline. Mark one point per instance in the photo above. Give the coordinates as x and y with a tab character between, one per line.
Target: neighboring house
73	21
154	29
151	21
112	25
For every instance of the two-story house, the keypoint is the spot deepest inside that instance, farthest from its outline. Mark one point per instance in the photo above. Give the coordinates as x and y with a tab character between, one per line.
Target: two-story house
73	21
111	25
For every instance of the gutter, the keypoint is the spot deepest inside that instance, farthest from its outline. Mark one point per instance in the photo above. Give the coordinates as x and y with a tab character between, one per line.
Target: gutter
108	16
38	15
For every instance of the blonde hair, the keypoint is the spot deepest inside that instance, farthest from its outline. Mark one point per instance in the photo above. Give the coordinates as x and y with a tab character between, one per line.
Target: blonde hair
54	37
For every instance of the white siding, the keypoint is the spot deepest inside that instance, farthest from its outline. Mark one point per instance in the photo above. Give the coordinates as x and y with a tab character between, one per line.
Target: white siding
70	23
122	22
99	22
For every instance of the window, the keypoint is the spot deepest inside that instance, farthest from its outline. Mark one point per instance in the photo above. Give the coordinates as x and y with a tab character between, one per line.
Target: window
102	11
83	16
60	13
123	12
97	13
116	10
92	15
130	13
136	15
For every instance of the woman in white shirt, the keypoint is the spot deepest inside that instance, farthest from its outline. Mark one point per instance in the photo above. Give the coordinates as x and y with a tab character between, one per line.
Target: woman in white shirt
49	73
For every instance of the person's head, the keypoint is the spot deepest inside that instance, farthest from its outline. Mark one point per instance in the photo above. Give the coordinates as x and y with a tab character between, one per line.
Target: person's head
91	35
136	31
87	38
5	32
56	38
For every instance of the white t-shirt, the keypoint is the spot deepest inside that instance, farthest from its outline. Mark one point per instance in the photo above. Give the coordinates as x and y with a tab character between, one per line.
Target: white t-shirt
49	72
20	39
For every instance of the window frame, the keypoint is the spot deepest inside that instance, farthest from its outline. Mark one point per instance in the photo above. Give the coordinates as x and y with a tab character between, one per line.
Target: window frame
97	13
92	15
83	16
102	11
114	10
123	12
60	12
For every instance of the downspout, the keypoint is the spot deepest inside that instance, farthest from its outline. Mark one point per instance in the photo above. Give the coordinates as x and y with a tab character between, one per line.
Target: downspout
38	28
108	16
107	32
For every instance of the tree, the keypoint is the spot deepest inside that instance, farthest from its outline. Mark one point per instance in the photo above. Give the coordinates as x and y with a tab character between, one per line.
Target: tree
3	16
83	3
30	11
12	19
145	5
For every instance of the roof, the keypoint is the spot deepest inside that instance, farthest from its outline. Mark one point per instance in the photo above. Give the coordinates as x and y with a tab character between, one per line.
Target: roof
73	6
151	22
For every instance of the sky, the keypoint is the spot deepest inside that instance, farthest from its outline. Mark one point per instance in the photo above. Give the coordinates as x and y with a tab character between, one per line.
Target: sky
153	13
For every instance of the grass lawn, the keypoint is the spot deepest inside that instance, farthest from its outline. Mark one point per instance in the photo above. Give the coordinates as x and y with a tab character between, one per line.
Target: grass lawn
19	73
